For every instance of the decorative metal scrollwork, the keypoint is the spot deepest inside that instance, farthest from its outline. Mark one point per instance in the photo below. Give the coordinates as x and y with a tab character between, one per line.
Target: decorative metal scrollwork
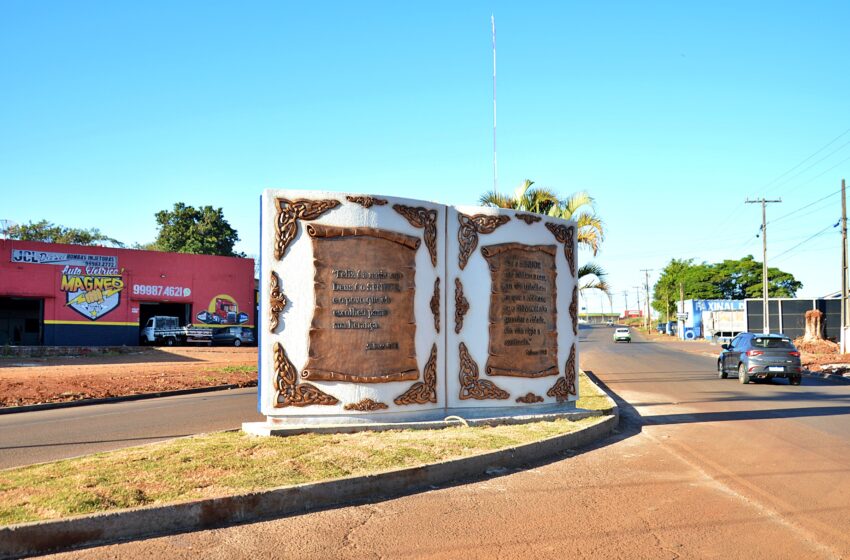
566	386
471	387
528	218
366	201
366	405
277	301
291	393
435	305
425	391
470	227
422	218
566	235
289	212
461	306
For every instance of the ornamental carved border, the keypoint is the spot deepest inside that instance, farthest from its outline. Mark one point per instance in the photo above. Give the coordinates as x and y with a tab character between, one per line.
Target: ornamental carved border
435	305
366	201
529	398
566	386
425	391
291	393
461	306
574	310
470	228
566	235
366	405
277	301
290	212
422	218
528	218
559	390
471	386
571	370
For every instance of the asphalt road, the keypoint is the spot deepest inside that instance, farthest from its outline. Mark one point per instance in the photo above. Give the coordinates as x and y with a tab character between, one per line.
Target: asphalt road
34	437
701	468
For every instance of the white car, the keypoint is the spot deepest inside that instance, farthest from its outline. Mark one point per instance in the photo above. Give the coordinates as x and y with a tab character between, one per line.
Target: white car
622	334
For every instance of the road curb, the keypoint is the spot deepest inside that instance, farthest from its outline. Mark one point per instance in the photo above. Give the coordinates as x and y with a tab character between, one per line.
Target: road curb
827	376
123	398
27	539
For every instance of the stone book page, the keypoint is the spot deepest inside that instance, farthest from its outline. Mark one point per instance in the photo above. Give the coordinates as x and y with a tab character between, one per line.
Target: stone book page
523	314
363	327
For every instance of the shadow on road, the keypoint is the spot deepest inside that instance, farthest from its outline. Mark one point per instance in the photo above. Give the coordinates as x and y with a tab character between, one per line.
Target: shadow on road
769	414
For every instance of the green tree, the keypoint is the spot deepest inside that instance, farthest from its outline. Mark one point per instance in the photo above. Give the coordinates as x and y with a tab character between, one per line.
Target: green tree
730	279
743	279
202	231
578	206
49	232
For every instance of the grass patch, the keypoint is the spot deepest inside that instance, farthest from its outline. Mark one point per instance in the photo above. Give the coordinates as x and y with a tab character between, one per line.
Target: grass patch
228	463
590	397
222	464
236	369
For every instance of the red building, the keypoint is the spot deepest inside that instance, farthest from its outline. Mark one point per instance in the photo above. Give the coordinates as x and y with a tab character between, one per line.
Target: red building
73	295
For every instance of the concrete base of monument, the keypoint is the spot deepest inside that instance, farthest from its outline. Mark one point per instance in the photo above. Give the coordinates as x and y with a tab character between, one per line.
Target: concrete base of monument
429	420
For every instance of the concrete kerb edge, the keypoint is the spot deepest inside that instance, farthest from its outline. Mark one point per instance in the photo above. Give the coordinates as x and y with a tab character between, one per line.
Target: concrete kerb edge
27	539
123	398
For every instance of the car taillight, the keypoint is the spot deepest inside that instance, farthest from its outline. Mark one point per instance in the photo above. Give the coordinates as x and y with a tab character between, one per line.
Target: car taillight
795	354
754	352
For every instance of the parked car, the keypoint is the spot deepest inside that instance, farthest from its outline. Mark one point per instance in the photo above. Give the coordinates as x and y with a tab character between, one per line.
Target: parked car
233	336
760	356
610	322
622	334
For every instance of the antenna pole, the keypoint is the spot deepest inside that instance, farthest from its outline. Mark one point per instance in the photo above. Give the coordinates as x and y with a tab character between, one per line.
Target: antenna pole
495	164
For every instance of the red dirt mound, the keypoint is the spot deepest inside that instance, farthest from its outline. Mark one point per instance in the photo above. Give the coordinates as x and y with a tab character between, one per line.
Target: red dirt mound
816	346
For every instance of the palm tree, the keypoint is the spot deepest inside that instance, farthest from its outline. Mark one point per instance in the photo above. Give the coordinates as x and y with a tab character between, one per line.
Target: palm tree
578	206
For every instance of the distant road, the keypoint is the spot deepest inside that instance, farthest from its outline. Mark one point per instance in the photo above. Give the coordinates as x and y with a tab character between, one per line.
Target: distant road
35	437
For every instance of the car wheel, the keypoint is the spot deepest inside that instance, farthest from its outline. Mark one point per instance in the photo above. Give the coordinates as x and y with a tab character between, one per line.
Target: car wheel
797	380
720	373
237	343
169	341
743	376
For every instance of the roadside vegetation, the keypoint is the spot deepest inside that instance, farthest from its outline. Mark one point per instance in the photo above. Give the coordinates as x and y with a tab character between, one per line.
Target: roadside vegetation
227	463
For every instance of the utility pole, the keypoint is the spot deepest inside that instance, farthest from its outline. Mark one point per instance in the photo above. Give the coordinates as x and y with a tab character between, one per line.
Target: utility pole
637	296
646	271
844	313
764	202
626	301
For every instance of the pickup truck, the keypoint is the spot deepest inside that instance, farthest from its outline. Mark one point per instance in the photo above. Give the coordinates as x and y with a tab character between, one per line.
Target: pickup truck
167	330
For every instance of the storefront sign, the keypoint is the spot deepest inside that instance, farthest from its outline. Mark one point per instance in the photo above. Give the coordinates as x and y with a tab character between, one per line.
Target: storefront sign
92	291
67	259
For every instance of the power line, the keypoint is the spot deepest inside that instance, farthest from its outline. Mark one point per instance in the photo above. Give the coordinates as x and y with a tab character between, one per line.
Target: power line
791	213
829	155
825	146
821	232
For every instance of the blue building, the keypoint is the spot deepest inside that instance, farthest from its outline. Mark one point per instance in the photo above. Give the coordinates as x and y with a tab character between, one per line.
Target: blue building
690	317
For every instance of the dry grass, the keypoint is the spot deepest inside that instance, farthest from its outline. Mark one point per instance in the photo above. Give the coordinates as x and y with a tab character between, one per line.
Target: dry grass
227	463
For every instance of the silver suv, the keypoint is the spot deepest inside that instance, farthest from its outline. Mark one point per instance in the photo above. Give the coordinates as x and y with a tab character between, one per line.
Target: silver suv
760	356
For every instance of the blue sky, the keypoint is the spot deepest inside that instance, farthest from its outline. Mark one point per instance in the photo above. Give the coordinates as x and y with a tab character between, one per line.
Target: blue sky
669	113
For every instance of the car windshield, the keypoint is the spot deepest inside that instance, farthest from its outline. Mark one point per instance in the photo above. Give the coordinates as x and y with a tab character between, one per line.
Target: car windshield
622	330
770	342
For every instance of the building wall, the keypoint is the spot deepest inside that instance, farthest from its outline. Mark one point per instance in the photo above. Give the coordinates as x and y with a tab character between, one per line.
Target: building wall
92	295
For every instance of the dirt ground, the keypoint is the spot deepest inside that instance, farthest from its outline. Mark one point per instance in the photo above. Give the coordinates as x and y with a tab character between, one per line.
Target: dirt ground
150	370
